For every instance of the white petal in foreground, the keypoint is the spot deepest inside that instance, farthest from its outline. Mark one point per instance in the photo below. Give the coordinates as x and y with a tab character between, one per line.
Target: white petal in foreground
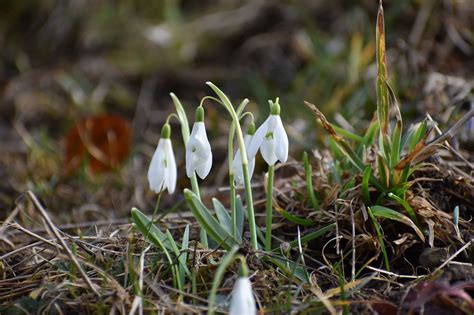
243	302
162	170
272	141
198	152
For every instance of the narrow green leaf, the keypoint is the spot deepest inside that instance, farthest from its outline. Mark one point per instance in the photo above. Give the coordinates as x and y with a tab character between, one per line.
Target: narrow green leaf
293	218
240	216
207	221
290	268
405	205
348	134
380	237
219	275
365	184
182	117
145	225
222	215
396	139
183	258
311	236
370	133
309	181
384	212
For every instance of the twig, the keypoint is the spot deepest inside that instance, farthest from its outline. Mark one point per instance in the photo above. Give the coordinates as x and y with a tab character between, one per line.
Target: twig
453	256
52	227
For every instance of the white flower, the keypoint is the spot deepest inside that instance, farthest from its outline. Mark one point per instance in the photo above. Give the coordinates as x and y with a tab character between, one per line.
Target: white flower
243	302
162	171
237	162
272	141
198	152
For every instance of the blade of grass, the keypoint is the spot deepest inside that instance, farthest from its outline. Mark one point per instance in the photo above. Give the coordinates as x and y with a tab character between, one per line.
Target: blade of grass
365	184
405	205
207	221
384	212
309	181
219	275
380	237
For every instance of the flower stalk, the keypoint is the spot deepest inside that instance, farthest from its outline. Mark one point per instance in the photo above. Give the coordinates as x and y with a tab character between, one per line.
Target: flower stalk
243	155
269	208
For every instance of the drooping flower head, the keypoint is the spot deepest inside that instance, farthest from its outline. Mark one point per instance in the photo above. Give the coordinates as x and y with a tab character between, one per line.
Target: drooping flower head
271	138
198	148
242	301
237	161
162	170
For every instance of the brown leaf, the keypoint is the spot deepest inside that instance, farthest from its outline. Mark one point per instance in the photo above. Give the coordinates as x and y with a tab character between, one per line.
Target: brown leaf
103	141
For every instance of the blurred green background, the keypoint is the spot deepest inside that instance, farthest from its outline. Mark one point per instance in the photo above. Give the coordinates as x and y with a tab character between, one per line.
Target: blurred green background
65	60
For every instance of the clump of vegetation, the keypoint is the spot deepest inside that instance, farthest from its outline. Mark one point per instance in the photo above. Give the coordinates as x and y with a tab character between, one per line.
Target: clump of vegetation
339	232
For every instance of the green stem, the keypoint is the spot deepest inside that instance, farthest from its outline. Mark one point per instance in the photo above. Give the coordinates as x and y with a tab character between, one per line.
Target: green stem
155	211
250	210
195	189
233	205
243	154
231	181
269	209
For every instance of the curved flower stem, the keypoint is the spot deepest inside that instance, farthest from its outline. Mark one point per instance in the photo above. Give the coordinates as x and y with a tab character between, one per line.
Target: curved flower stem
231	181
155	211
183	120
243	154
269	209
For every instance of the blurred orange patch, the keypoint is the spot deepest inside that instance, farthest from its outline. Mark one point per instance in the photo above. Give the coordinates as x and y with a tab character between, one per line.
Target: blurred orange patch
103	141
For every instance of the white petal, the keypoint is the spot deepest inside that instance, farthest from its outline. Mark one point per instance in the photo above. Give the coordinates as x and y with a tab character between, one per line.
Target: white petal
198	152
237	168
204	166
170	177
257	139
243	302
268	150
281	140
251	167
156	169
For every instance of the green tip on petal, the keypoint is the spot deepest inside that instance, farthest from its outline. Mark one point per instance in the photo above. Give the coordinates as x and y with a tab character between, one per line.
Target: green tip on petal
166	131
199	114
251	129
243	270
275	107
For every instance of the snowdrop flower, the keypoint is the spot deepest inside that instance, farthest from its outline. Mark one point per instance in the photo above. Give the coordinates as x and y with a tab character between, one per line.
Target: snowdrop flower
162	171
243	302
271	138
198	148
237	161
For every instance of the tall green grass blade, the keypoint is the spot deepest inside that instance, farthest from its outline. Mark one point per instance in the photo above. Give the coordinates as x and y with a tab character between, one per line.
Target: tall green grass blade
308	170
382	90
